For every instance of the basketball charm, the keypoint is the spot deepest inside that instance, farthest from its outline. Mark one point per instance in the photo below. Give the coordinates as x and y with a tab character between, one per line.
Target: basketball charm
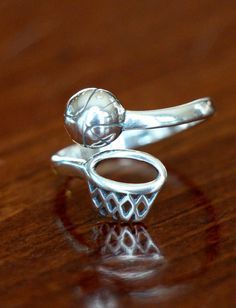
94	117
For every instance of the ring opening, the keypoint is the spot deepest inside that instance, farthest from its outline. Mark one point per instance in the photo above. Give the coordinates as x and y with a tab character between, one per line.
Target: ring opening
126	170
124	187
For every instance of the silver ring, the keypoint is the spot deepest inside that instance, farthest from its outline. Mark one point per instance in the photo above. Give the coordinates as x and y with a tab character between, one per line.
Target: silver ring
103	129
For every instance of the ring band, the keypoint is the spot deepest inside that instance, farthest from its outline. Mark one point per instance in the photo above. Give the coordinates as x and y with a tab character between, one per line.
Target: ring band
103	129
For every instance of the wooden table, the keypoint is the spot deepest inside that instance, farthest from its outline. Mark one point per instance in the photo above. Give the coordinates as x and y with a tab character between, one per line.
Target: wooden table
55	250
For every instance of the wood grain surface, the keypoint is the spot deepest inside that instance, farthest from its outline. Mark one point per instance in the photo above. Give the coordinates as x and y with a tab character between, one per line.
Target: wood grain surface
55	250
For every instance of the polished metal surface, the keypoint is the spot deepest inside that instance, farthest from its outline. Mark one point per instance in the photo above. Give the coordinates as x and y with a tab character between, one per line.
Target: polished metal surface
103	129
95	117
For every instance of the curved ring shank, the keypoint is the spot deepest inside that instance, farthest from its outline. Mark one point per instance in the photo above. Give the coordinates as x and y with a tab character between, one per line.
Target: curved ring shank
140	128
191	112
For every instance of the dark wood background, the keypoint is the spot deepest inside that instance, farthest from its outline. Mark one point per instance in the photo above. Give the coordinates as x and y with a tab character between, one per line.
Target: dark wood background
54	247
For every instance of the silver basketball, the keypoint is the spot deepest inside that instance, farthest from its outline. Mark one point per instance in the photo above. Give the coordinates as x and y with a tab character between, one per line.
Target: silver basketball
94	117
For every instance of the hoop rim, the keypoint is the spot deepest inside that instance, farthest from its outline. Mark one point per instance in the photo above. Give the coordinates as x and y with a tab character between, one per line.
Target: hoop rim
122	187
